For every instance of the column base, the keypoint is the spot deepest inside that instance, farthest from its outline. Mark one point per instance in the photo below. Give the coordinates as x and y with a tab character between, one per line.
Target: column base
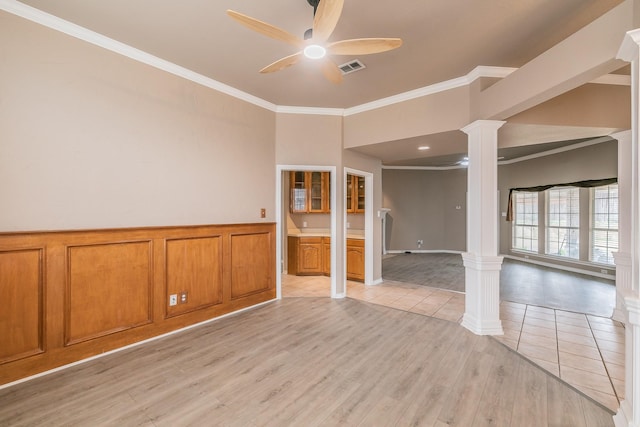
482	294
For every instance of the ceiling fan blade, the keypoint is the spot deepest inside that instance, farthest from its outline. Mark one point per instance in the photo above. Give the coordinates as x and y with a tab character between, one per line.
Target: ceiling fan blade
266	29
327	16
283	63
363	46
331	71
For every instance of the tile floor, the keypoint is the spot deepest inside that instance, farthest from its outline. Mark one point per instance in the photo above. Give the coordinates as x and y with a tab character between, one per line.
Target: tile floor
585	351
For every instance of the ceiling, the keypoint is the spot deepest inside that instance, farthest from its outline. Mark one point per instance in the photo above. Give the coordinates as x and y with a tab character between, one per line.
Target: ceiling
442	40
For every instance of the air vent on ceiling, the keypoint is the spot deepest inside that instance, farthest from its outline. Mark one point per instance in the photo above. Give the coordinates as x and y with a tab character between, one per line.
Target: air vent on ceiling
351	66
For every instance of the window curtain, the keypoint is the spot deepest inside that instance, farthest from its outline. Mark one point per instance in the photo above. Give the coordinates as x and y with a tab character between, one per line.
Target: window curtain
580	184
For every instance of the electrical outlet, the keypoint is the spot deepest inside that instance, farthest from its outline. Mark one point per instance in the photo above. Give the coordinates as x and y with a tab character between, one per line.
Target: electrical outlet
420	242
183	297
173	299
263	213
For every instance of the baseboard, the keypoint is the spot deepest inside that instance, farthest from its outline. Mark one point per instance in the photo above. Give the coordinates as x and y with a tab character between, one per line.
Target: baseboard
425	251
561	267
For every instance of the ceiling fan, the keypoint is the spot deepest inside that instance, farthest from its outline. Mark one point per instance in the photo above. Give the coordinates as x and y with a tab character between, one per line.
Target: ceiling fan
314	45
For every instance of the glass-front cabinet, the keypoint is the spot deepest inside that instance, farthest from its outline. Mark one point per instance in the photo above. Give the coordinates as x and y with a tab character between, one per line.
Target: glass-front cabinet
355	194
309	192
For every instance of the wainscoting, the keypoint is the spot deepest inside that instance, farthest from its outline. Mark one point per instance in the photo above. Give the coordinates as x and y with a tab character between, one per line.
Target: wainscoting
69	295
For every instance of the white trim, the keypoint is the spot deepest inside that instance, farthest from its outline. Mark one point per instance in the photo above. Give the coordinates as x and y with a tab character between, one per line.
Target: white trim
563	267
310	110
368	223
583	144
377	282
69	28
480	71
51	21
571	147
280	169
425	251
424	168
613	79
136	344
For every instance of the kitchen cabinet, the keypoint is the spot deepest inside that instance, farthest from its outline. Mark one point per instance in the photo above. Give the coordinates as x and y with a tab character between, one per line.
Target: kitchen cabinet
355	194
304	256
311	256
355	260
326	256
309	192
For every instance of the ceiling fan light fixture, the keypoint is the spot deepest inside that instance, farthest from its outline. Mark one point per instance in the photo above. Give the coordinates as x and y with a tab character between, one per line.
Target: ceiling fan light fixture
314	51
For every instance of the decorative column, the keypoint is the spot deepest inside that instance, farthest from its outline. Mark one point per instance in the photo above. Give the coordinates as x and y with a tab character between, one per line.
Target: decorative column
625	212
481	261
629	413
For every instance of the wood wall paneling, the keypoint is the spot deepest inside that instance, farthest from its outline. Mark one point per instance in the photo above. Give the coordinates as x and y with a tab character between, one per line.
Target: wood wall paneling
73	294
21	296
251	263
194	266
109	289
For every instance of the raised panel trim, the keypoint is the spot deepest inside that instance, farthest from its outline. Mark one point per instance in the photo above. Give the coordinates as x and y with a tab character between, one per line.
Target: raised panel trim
271	264
41	311
68	340
219	300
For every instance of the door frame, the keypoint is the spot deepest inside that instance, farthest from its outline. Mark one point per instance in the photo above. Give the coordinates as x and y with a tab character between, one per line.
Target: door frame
280	211
368	224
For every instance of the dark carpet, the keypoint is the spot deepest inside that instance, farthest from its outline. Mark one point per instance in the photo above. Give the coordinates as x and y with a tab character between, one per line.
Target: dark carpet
519	282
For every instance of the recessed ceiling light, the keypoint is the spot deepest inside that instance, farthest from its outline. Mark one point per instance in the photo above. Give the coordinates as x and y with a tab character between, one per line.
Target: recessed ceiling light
314	51
423	147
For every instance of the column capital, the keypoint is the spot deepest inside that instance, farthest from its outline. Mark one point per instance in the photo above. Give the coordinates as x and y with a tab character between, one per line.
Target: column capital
630	47
483	124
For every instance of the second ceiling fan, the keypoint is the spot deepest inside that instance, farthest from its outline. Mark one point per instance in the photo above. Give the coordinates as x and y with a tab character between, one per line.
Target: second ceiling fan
314	46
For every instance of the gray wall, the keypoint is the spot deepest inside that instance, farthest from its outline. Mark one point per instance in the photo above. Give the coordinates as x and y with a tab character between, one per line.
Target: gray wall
423	202
593	162
423	206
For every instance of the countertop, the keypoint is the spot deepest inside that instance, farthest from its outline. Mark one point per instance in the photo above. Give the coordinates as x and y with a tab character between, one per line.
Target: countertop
355	235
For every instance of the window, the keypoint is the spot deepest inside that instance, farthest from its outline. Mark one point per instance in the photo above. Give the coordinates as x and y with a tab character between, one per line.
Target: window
563	222
525	225
604	223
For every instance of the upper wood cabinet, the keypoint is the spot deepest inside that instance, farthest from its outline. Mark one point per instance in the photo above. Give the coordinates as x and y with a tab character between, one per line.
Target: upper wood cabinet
355	194
309	192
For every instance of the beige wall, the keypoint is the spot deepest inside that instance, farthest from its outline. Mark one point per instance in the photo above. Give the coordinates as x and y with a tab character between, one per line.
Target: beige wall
423	207
91	139
439	112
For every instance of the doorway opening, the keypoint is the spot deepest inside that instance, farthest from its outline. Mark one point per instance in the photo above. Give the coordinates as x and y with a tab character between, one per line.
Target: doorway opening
306	223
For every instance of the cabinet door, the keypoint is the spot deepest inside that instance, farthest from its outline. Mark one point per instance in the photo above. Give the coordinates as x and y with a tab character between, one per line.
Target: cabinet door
355	259
310	256
326	256
298	197
359	190
316	192
350	208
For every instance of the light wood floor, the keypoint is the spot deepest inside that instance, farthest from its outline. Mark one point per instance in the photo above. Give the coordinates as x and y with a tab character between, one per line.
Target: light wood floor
307	362
585	351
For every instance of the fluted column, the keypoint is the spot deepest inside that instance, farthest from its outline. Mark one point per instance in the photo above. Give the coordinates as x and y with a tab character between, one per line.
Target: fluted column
481	261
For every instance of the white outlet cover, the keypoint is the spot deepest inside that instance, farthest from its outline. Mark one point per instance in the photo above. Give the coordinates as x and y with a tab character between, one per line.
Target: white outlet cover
173	299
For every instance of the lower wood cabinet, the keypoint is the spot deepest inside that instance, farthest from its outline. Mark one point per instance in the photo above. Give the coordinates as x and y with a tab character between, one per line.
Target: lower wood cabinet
355	259
305	256
326	256
311	256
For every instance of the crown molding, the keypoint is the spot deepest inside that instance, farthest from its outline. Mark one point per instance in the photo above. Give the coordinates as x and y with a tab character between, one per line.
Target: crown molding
613	79
36	15
576	146
40	17
310	110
